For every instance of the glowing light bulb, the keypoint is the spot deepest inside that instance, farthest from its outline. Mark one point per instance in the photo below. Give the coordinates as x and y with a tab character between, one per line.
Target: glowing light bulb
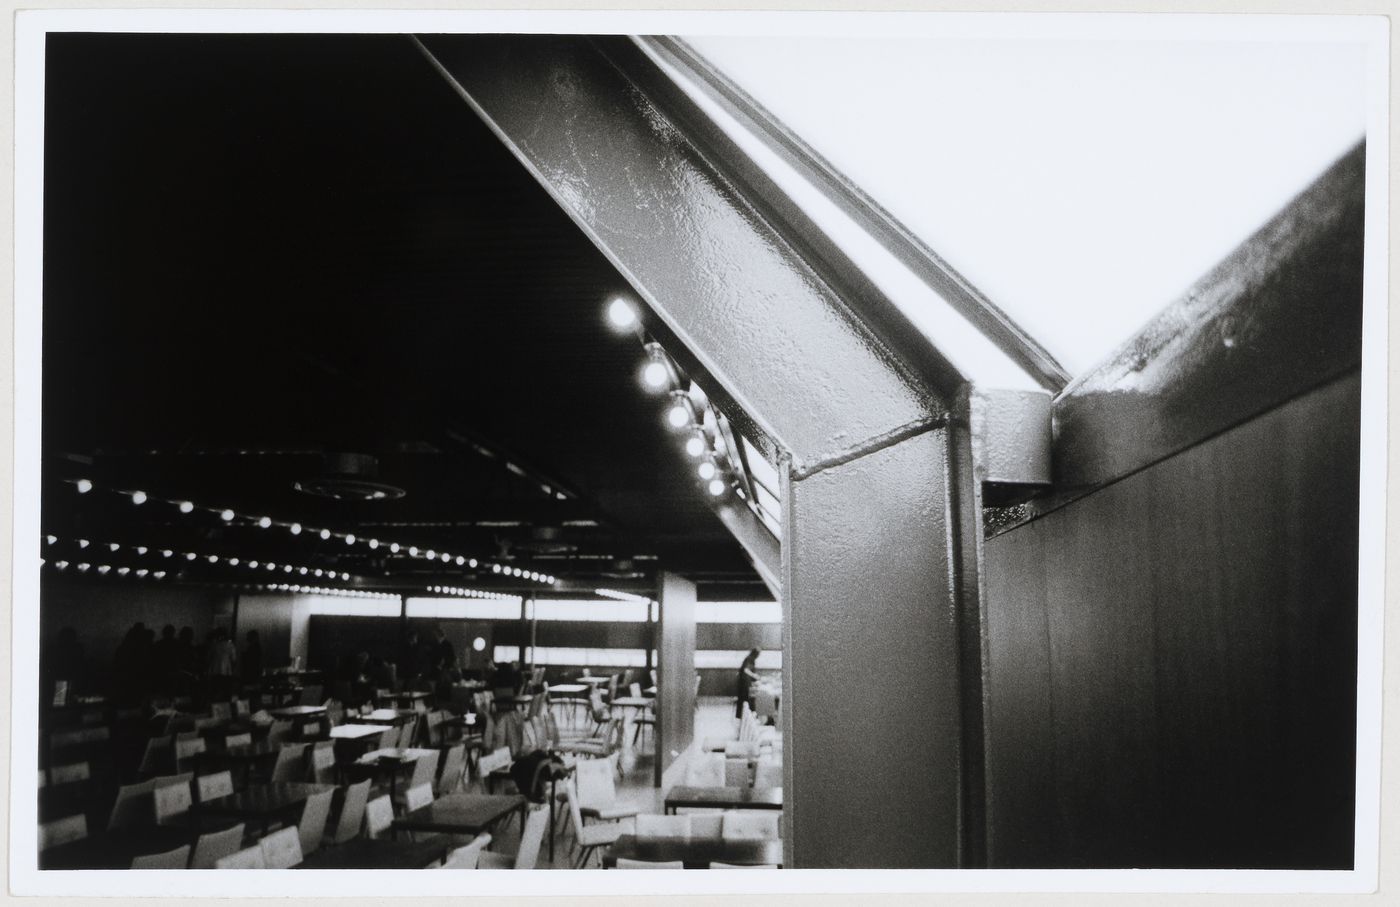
142	572
317	571
83	543
303	571
717	487
325	533
350	539
478	644
695	446
113	546
288	568
430	554
141	549
621	314
50	539
264	522
62	565
233	562
252	565
495	568
226	515
83	568
213	558
186	506
412	550
393	547
166	552
373	544
190	555
472	563
706	470
123	571
678	416
294	529
446	557
654	375
84	486
159	574
461	560
103	569
138	497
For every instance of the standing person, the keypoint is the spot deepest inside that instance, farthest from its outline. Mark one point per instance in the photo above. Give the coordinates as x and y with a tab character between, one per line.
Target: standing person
444	652
252	660
747	676
220	660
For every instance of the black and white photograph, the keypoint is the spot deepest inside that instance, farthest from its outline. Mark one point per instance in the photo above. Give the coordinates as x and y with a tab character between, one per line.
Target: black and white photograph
700	443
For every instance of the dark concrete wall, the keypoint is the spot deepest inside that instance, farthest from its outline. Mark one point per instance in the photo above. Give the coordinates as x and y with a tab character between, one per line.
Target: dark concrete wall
1172	660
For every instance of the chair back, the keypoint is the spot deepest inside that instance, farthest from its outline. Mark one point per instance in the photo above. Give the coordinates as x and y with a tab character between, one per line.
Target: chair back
467	857
290	759
312	827
663	826
612	687
575	812
750	825
279	731
418	797
190	734
765	703
496	759
768	773
157	755
406	733
452	768
706	770
212	787
214	846
249	858
185	751
281	849
77	771
241	707
379	815
323	763
173	859
736	773
531	837
624	863
594	778
352	812
244	739
634	690
171	801
63	831
706	825
133	806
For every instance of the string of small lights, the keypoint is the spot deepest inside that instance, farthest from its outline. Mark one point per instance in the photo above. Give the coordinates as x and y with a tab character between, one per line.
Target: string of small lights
461	592
231	517
624	596
175	557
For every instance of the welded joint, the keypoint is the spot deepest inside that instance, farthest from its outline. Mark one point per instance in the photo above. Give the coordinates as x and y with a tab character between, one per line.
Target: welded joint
1011	433
801	470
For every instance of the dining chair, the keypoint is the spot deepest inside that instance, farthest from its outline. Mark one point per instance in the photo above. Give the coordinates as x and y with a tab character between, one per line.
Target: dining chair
624	863
248	858
290	759
212	787
171	801
63	774
467	857
281	849
652	826
352	812
749	825
63	831
417	797
312	827
528	853
490	762
588	837
185	751
243	739
133	806
322	768
213	846
768	773
379	816
172	859
707	826
596	791
453	766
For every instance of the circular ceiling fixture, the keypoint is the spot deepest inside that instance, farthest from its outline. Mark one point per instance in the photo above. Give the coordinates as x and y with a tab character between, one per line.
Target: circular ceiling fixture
350	477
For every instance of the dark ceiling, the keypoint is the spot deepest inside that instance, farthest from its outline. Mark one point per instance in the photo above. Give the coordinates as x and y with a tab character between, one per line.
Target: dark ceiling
260	250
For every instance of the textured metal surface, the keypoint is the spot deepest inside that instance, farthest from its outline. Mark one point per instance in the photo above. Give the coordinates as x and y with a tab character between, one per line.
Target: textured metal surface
764	326
872	775
1011	435
911	251
1280	315
675	671
1171	680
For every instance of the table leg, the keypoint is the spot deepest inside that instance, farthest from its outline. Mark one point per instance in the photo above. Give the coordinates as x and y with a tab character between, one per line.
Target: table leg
552	801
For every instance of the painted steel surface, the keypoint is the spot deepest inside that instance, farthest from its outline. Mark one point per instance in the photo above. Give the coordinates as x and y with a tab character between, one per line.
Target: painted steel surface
1280	315
765	327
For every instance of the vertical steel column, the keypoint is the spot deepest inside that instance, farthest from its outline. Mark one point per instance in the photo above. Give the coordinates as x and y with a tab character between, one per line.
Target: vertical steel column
878	573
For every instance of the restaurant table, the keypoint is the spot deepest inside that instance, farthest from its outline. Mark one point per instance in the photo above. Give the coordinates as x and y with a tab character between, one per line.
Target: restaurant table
356	731
577	693
411	695
463	814
568	689
724	797
594	681
380	853
391	759
115	849
694	853
264	803
393	717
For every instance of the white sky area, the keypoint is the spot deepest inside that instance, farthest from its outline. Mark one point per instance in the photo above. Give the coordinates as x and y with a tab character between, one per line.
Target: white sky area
1082	185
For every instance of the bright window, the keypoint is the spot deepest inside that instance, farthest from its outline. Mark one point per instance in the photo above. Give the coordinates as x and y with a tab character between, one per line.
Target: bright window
340	606
738	613
768	660
472	608
597	610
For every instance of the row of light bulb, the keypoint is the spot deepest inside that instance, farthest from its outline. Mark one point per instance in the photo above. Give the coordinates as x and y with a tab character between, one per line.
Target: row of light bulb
143	550
474	593
266	522
658	375
624	596
321	590
104	569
